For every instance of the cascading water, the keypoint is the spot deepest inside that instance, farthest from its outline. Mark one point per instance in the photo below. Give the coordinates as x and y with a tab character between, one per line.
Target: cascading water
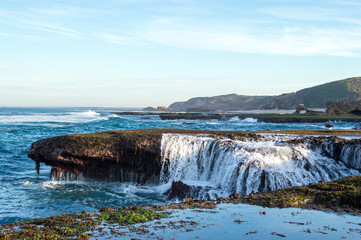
227	166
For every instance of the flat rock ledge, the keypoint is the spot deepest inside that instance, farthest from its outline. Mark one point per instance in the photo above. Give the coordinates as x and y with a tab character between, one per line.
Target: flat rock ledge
127	155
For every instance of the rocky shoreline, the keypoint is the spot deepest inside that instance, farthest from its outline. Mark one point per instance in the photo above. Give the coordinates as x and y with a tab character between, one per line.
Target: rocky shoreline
267	118
342	196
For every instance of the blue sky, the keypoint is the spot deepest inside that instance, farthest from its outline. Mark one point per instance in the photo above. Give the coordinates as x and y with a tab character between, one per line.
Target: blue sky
154	52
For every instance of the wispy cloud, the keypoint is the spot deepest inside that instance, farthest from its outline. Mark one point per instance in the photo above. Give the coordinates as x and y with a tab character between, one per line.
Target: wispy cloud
116	39
19	36
303	14
66	10
52	28
23	21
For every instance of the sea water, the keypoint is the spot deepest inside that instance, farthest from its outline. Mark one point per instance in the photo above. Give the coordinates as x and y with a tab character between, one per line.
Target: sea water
24	194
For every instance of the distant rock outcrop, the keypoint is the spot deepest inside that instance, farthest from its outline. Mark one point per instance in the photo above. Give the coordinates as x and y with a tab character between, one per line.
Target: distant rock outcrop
162	108
300	108
348	106
152	109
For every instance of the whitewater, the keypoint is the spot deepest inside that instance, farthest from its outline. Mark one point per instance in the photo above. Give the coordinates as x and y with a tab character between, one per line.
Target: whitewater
24	194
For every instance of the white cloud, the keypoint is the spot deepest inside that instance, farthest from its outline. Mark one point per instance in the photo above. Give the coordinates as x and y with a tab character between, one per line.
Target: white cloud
286	41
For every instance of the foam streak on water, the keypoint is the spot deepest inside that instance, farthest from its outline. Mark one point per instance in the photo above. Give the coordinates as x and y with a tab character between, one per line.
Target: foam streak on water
245	166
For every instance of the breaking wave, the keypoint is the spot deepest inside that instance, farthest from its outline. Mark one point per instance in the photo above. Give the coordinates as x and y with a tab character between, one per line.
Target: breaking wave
71	117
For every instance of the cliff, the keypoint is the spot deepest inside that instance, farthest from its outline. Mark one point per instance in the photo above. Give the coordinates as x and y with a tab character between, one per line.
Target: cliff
114	155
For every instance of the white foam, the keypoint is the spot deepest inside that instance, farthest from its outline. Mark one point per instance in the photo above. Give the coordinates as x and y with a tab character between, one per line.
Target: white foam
52	184
234	119
71	117
249	120
27	183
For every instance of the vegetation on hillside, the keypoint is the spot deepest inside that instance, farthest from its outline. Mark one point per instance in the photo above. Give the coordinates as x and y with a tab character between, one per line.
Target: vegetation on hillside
316	97
313	97
224	102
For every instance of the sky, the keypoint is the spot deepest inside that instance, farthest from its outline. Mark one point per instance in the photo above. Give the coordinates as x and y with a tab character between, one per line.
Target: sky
139	53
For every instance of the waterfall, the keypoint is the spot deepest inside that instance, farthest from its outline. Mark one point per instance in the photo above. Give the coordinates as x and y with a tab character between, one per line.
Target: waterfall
225	166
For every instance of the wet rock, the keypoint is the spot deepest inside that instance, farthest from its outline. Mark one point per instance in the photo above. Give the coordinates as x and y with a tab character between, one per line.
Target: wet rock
235	196
181	191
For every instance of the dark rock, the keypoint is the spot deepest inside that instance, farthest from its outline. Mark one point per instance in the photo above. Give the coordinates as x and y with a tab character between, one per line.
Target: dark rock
114	156
181	191
188	123
328	125
235	196
134	113
191	116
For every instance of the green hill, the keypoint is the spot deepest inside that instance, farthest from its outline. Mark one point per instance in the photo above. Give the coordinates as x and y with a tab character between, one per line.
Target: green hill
224	102
316	97
313	97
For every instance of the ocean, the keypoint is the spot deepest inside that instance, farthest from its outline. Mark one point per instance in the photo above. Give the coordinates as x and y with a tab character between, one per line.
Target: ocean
25	195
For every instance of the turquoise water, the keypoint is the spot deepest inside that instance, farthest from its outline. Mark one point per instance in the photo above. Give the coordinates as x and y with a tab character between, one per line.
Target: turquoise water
25	195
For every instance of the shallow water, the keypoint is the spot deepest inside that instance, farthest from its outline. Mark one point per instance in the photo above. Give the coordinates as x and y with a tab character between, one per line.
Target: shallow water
241	221
25	195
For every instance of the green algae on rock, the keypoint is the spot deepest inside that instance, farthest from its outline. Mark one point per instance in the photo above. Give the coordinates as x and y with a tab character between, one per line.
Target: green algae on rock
78	225
339	195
